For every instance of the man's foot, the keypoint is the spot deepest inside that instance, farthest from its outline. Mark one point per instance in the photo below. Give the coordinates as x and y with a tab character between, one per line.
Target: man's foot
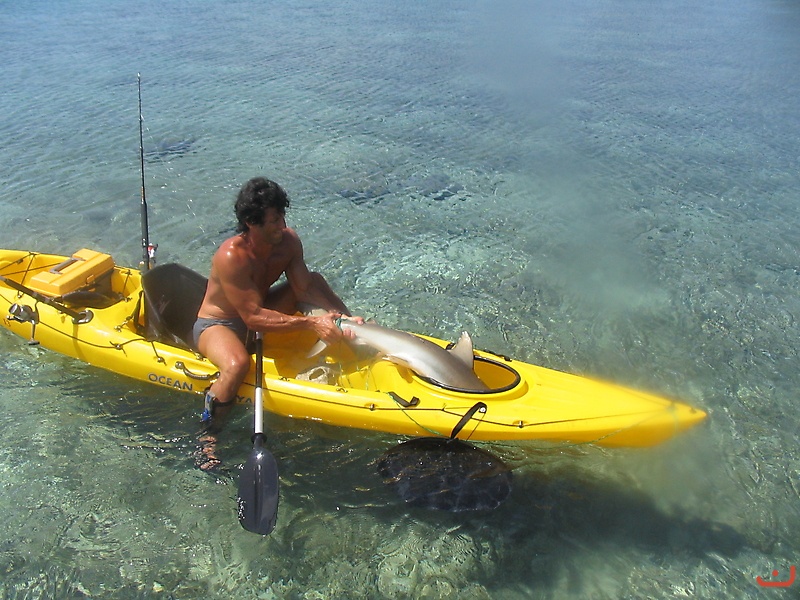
213	409
205	457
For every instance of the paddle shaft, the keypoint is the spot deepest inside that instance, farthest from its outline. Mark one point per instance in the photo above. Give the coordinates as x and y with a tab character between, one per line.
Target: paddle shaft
259	393
258	483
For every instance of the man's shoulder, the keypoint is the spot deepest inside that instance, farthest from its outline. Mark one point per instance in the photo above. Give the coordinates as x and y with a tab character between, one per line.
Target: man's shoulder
291	240
232	252
291	234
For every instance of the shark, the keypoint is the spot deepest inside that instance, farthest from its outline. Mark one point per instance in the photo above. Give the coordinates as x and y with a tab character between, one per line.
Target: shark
452	367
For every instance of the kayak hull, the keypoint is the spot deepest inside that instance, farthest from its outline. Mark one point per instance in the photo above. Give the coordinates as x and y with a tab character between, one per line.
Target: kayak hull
344	389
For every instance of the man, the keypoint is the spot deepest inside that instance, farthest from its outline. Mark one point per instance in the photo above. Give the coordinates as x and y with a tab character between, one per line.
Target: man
240	295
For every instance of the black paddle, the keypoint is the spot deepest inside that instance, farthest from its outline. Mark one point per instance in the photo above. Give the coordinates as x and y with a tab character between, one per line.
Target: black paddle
258	483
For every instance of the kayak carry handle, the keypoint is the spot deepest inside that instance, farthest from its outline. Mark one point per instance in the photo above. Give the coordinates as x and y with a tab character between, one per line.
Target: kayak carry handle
179	364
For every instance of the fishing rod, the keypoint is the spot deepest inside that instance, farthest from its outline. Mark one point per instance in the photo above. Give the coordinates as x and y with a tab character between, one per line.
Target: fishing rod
148	251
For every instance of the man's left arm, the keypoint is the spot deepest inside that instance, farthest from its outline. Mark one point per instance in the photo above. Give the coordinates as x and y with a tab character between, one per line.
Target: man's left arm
304	286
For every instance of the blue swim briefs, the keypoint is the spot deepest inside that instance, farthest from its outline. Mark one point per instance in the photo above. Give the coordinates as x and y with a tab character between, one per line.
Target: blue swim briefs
236	325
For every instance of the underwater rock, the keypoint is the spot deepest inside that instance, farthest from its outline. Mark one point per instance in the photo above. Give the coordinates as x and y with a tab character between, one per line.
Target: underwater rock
446	474
170	147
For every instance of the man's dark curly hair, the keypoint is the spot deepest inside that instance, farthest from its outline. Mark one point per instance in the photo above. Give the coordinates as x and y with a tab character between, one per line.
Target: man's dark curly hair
255	197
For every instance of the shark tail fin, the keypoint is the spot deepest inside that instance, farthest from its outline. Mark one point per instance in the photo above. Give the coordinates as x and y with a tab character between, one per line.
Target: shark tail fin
463	350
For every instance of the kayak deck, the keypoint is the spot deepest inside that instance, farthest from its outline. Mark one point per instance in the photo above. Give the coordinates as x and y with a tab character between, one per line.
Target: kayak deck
345	388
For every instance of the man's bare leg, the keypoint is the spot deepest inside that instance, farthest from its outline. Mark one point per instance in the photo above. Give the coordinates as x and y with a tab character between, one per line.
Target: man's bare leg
223	348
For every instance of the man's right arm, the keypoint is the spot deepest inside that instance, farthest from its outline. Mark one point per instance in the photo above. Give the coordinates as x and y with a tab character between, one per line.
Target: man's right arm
234	273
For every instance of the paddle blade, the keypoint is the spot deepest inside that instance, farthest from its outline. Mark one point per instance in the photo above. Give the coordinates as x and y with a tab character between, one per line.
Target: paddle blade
258	491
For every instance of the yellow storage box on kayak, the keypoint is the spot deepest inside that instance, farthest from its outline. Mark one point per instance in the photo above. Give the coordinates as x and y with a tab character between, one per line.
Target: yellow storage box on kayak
83	269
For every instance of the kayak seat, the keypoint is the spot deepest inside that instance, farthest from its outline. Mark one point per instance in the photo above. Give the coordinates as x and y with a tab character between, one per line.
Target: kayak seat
172	295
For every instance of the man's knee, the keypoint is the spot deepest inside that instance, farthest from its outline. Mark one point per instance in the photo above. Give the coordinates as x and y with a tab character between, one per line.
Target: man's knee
238	364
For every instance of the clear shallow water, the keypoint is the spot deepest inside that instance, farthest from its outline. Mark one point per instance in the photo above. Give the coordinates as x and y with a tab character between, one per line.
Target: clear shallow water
606	187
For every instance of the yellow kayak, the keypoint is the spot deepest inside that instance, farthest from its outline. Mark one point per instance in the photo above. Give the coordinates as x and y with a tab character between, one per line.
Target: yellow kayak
135	324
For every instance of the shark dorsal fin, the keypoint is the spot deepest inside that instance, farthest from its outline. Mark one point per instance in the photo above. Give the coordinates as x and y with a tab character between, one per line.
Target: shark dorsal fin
463	350
311	310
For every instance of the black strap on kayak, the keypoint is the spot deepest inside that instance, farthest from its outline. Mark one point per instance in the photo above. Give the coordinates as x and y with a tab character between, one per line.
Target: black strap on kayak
478	407
402	401
78	317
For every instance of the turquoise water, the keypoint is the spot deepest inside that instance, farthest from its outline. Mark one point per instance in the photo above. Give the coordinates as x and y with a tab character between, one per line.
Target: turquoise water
605	187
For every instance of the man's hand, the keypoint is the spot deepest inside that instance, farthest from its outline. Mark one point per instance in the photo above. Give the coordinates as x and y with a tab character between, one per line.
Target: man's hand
327	328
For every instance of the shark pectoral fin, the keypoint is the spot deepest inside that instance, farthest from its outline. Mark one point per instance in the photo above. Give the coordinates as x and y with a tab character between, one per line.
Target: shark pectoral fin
463	350
317	348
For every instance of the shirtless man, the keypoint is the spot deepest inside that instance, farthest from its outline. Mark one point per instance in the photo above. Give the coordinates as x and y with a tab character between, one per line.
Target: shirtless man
241	296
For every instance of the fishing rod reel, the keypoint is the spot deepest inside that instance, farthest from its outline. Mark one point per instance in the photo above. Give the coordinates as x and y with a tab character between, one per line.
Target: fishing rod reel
22	313
150	253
